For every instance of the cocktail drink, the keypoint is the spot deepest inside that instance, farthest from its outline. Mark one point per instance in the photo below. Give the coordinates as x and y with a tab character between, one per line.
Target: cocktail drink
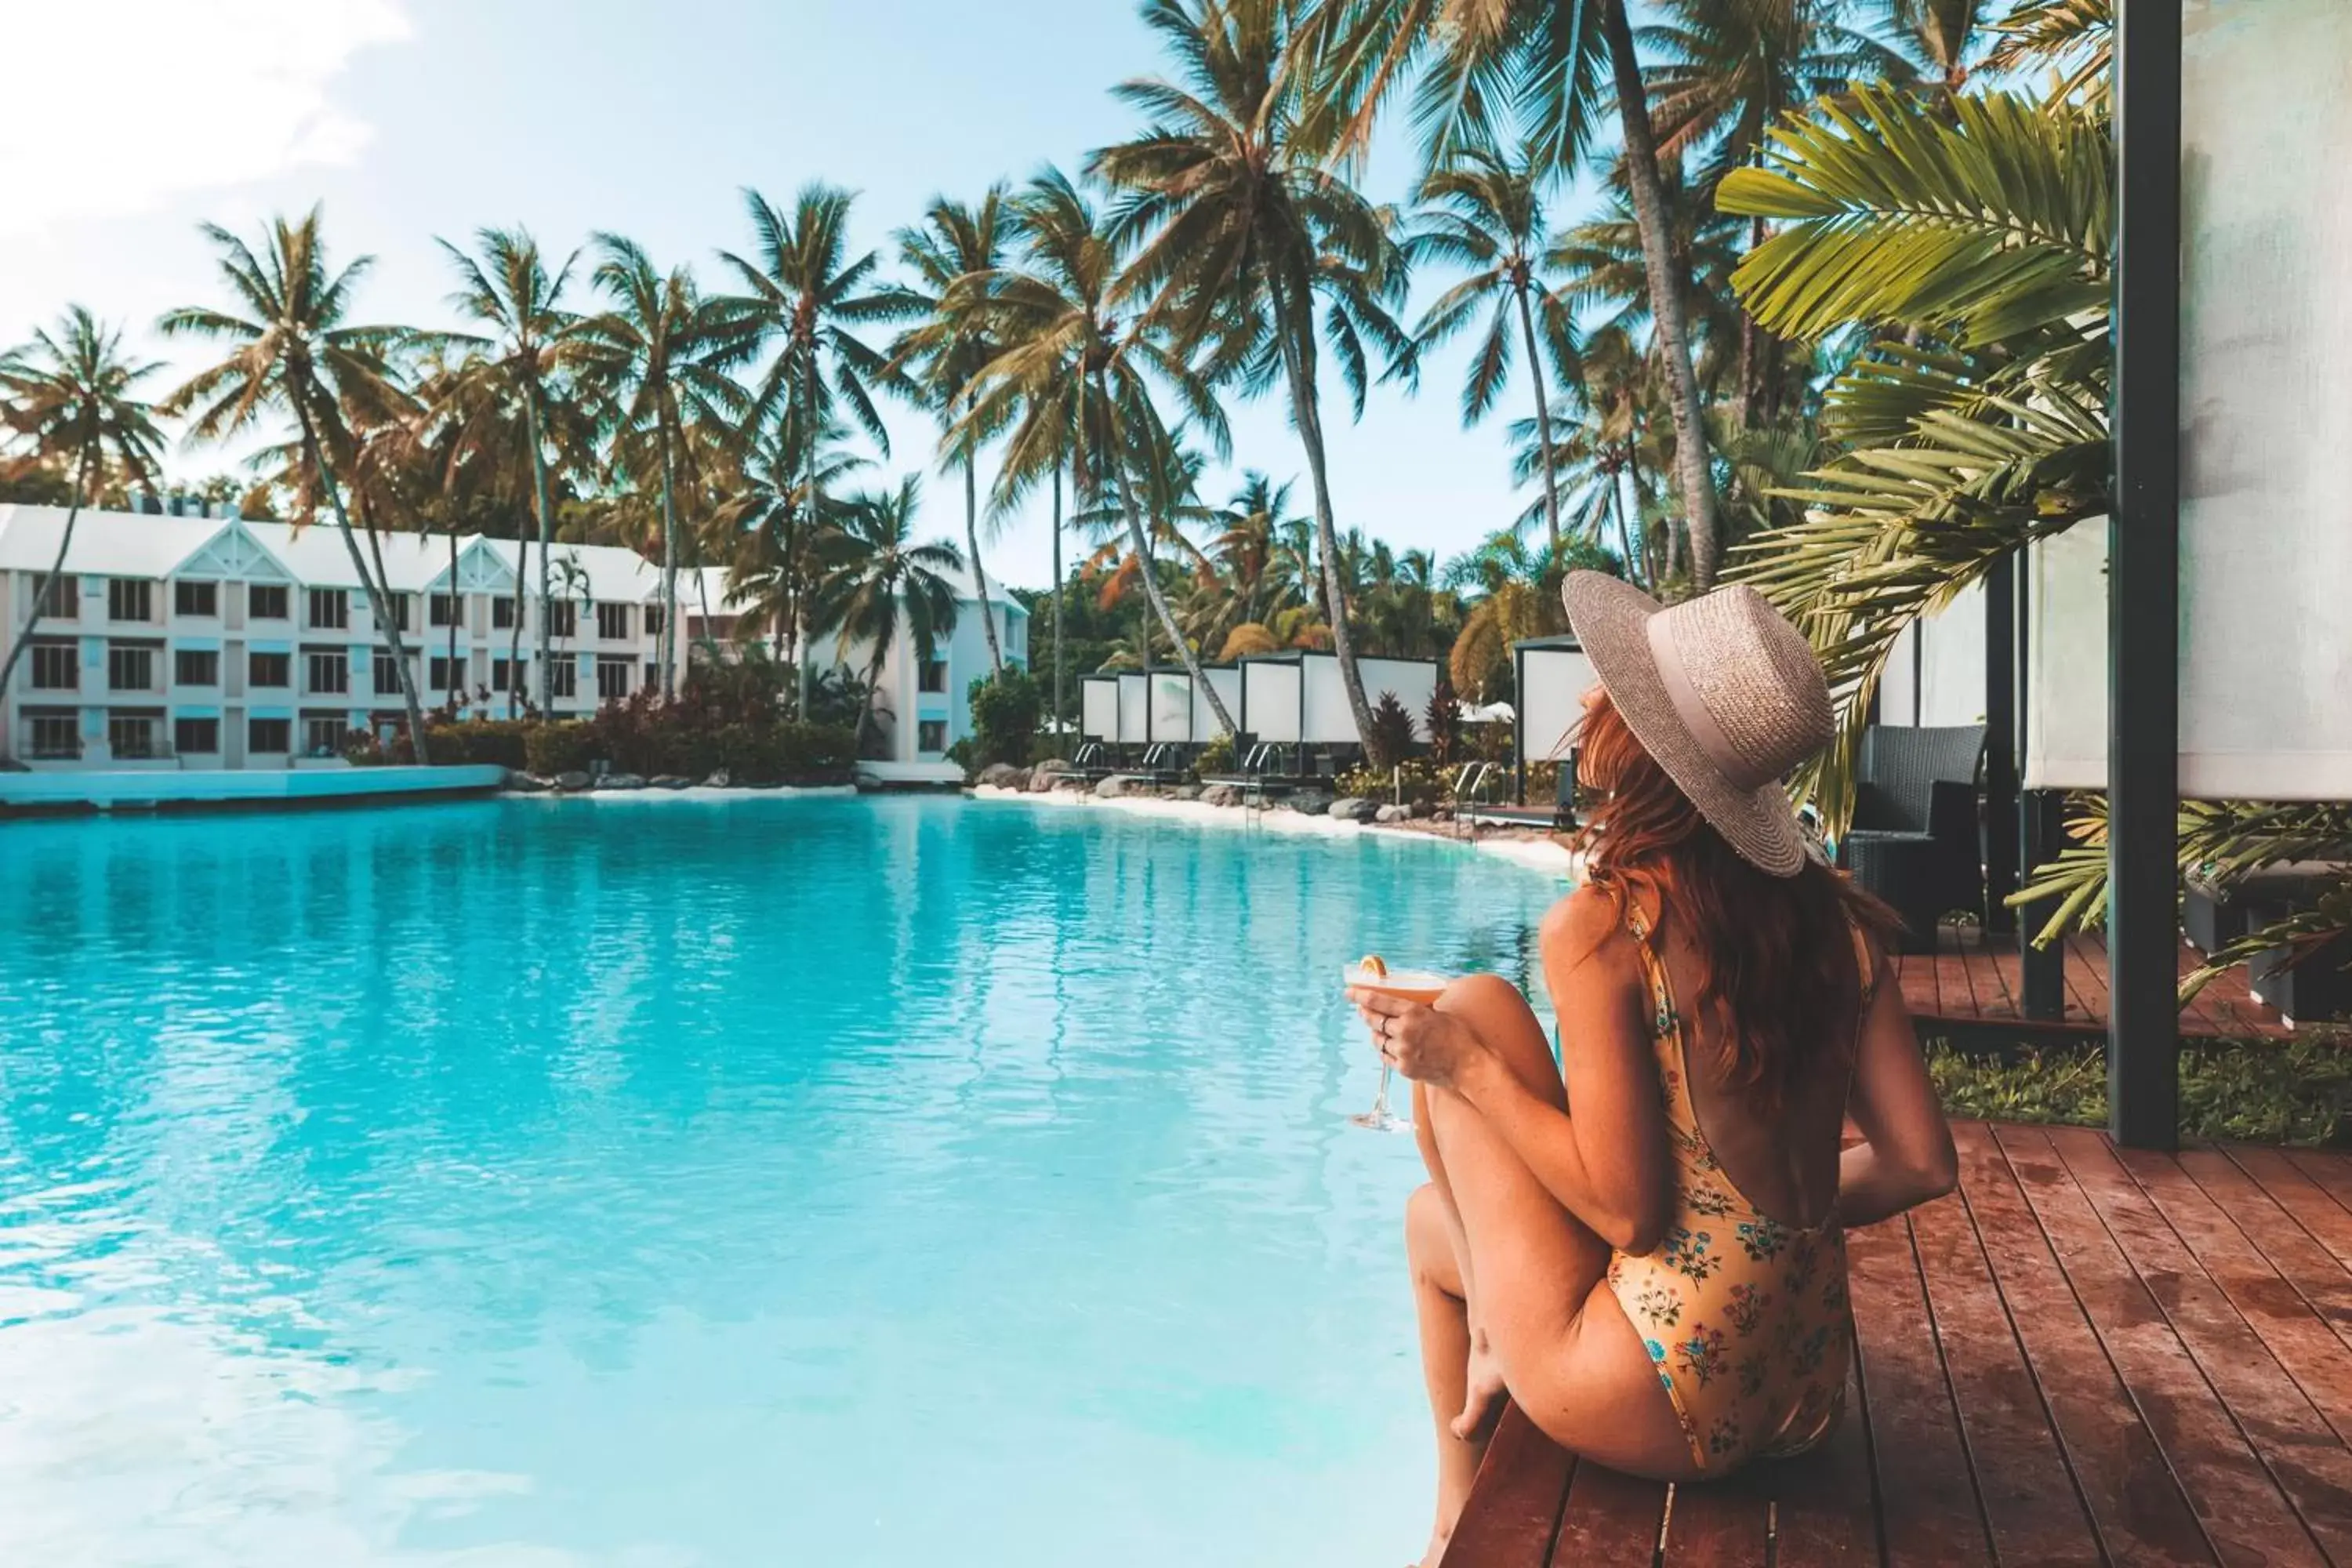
1422	985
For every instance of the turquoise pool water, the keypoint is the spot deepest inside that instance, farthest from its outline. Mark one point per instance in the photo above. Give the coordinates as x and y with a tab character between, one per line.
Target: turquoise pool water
652	1183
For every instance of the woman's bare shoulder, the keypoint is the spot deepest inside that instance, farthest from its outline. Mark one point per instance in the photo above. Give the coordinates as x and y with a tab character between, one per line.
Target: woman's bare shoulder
1585	925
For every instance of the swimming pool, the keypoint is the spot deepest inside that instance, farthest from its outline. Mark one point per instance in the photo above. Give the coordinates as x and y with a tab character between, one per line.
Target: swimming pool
653	1183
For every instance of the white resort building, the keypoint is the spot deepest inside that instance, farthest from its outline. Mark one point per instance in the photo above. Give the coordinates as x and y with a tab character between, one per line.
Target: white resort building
192	638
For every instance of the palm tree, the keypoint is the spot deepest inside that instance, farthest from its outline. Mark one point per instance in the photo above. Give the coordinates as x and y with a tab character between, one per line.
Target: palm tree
1251	227
946	349
876	573
293	352
1072	382
1488	216
659	356
1546	58
774	532
803	296
1943	42
528	342
72	396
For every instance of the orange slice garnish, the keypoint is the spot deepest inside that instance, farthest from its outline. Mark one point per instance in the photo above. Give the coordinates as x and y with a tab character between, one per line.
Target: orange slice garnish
1373	967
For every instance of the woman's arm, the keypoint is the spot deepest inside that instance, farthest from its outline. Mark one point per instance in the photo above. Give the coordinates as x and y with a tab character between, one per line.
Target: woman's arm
1905	1156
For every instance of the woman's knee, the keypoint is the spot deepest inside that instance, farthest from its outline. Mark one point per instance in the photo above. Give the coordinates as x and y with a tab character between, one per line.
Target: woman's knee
1503	1019
1429	1240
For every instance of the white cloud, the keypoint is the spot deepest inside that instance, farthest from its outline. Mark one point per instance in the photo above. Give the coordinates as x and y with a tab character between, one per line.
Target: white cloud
116	105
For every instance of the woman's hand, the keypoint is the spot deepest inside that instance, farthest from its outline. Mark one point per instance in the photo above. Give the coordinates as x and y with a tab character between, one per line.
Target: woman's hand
1425	1044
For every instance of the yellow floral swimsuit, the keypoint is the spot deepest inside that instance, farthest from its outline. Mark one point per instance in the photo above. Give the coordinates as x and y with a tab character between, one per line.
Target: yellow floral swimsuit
1745	1318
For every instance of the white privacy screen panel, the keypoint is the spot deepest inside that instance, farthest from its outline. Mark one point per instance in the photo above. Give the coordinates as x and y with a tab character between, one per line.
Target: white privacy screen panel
1227	684
1413	680
1172	706
1132	718
1551	699
1935	672
1324	717
1098	708
1271	692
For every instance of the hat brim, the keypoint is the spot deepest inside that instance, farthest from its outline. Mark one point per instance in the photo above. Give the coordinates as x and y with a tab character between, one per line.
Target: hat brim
1611	619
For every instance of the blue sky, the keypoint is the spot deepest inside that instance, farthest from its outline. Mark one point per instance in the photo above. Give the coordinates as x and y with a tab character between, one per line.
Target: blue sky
412	119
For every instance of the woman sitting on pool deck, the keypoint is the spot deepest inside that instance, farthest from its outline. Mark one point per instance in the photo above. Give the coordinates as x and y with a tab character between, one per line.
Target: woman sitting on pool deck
1643	1245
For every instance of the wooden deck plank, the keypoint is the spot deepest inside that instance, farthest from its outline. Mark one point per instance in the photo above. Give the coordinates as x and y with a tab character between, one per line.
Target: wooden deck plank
2139	1511
1973	979
1611	1518
2034	1507
2331	1173
2314	1276
2255	1457
1717	1525
1522	1487
1916	1444
1827	1509
2086	984
2322	1218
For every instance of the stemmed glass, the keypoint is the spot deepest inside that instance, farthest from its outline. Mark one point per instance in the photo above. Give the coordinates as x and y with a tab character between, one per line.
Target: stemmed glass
1410	985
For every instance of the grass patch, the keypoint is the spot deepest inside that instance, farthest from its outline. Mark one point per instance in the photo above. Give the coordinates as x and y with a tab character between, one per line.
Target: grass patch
2258	1091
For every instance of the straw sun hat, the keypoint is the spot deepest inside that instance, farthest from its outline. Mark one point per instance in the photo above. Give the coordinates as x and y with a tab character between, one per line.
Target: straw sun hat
1722	692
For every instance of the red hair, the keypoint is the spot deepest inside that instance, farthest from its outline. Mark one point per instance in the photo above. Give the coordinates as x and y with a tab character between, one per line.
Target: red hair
1780	964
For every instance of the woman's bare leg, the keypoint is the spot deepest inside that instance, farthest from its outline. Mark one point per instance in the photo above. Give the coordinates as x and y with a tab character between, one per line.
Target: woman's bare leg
1538	1275
1437	1300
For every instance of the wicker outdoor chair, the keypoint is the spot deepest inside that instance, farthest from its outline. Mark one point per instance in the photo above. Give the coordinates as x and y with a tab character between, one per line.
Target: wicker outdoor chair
1915	841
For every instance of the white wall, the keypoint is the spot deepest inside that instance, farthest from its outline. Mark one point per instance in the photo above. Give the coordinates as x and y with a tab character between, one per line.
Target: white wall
1098	708
1131	715
1227	684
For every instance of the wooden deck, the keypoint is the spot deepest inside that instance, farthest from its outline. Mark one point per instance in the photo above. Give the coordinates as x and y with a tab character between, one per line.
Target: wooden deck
1968	989
2086	1355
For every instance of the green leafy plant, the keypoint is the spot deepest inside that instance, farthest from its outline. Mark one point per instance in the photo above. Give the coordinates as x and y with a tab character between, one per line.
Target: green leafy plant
2297	1090
1389	740
1006	710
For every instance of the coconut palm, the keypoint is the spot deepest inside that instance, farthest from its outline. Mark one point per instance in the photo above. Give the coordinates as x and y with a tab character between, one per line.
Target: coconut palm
771	528
1485	213
1553	64
804	297
945	350
876	574
1942	43
72	396
528	345
293	352
1072	385
659	358
1249	227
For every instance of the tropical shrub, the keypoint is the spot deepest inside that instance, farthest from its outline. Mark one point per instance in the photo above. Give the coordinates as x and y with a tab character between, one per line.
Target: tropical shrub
552	747
1390	740
1414	779
1443	719
2296	1090
1006	710
500	742
1216	757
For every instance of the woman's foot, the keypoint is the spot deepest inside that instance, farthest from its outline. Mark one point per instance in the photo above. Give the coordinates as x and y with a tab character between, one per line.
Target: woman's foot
1482	1400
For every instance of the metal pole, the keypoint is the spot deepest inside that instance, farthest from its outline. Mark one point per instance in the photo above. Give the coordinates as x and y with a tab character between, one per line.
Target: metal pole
2000	745
2144	585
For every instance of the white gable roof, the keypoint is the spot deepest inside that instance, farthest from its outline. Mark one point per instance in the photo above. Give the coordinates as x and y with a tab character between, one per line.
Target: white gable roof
611	574
105	544
317	555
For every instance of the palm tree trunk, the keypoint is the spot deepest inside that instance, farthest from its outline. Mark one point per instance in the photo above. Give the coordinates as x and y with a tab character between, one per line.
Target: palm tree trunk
1142	548
450	694
978	576
669	568
1058	594
1543	418
49	578
1308	417
1649	194
810	512
379	604
546	548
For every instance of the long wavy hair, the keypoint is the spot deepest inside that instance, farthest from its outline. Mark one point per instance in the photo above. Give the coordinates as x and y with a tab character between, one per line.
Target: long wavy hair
1779	964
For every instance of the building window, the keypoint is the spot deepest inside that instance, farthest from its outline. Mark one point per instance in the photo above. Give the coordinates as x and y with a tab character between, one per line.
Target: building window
445	674
385	673
268	737
132	735
501	673
329	672
63	601
57	667
652	673
322	736
932	735
933	676
612	679
653	620
613	622
269	669
399	603
502	611
564	678
562	618
196	737
129	669
445	610
129	599
330	609
196	667
53	736
195	599
265	601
